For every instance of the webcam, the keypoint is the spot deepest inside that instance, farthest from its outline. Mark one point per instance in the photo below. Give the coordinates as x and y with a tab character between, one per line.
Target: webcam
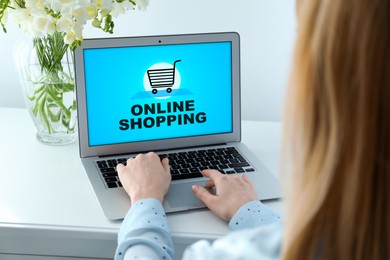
159	41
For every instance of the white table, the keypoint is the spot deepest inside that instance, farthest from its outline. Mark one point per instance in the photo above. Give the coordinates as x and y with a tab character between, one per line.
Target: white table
48	207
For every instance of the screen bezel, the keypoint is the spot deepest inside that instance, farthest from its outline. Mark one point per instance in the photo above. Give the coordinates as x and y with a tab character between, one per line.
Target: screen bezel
155	145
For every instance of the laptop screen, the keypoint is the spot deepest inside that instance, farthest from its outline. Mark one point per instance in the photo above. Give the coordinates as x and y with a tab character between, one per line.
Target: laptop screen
144	93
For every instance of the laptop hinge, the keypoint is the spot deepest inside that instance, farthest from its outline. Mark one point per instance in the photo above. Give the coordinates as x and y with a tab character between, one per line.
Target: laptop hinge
163	150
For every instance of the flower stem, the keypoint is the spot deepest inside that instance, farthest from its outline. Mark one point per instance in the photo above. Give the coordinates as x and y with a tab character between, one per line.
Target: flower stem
54	82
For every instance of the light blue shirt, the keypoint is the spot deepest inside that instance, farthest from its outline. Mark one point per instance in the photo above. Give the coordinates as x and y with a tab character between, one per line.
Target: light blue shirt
144	234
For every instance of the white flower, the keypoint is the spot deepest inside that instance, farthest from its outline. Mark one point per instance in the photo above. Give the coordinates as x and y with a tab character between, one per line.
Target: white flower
4	20
92	11
77	28
59	5
121	8
35	4
80	14
73	29
69	38
13	4
44	17
23	18
64	24
142	4
74	34
42	25
21	14
103	4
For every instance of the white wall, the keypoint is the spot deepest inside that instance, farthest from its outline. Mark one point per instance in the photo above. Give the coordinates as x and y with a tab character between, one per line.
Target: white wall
267	29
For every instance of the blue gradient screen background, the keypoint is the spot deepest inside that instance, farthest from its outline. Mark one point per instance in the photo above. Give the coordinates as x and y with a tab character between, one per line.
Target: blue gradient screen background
114	79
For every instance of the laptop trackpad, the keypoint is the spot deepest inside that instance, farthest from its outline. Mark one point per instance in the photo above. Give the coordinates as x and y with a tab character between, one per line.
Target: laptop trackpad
180	195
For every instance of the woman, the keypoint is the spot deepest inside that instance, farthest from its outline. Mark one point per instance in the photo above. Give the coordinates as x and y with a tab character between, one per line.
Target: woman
337	144
339	122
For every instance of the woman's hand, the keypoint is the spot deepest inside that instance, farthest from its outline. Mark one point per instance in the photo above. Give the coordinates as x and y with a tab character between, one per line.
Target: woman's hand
145	176
232	191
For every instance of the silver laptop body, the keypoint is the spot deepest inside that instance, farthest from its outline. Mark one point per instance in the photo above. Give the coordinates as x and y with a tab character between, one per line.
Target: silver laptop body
167	94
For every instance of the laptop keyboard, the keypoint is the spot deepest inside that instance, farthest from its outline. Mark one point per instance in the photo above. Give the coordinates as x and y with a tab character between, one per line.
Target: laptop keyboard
185	165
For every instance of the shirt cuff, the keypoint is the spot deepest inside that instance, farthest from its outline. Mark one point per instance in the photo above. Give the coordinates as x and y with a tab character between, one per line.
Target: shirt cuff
145	213
253	214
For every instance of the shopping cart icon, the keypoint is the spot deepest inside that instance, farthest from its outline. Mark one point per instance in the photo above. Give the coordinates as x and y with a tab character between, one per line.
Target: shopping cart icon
162	78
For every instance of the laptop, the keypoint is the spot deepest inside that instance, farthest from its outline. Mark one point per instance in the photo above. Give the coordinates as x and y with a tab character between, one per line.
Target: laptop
176	95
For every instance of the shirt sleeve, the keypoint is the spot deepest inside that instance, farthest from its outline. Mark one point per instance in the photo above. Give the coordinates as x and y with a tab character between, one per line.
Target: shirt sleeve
263	242
253	214
144	233
258	237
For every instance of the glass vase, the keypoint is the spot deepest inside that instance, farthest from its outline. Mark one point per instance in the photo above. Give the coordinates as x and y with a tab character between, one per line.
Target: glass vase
46	73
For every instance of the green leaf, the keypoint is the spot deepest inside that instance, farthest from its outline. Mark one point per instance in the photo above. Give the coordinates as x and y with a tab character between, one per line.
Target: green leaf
43	115
41	88
38	101
4	4
65	121
54	117
66	113
48	98
74	105
68	87
35	109
50	51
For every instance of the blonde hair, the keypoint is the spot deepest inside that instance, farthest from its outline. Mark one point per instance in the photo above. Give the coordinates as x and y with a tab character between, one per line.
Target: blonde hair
337	126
